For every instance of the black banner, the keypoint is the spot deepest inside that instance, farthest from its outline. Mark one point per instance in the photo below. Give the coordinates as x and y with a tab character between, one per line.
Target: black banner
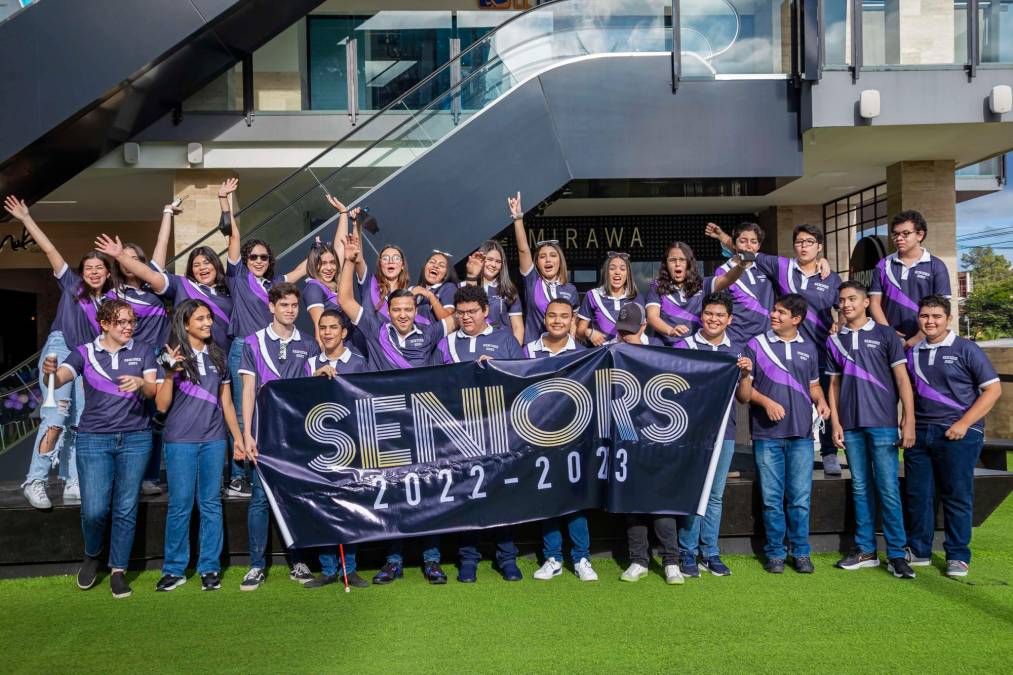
626	429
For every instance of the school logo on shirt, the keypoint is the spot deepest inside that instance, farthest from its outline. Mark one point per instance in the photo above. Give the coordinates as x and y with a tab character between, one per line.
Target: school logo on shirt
803	355
922	274
872	344
821	287
301	353
132	361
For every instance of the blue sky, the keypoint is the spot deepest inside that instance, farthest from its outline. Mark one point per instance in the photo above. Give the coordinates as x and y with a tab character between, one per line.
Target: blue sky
988	220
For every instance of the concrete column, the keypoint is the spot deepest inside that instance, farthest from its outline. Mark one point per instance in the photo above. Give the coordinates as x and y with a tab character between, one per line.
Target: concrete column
928	187
779	222
919	32
200	210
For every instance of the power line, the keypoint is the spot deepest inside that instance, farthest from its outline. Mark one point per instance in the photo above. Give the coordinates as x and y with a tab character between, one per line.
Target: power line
976	235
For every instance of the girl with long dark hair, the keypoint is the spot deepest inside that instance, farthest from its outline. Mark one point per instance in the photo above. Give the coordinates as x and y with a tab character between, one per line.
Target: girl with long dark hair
487	266
596	320
439	277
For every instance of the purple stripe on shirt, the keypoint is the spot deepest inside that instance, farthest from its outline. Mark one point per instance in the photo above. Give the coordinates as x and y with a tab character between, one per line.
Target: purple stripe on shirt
255	286
672	309
743	298
606	324
774	371
540	295
90	311
143	310
197	294
924	388
329	295
100	383
264	374
390	350
784	269
853	369
897	295
194	391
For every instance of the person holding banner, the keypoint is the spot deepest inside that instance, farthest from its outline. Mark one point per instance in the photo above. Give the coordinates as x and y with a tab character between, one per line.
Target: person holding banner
396	343
276	352
439	277
698	536
868	375
556	340
955	387
336	360
630	326
485	267
544	274
596	319
476	340
784	388
196	399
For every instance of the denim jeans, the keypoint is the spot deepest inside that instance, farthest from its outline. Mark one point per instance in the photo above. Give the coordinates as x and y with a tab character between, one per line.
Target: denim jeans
872	458
664	529
785	469
111	467
330	562
699	534
506	551
430	550
580	538
237	470
194	470
66	415
933	465
257	522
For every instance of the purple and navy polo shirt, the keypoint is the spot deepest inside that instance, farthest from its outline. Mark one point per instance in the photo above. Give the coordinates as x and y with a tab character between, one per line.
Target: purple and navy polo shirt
316	294
369	290
820	294
499	311
348	363
903	287
536	349
459	347
183	288
267	357
107	410
676	309
196	414
152	320
388	350
753	296
698	342
948	378
444	293
603	310
783	371
76	318
249	296
537	295
864	360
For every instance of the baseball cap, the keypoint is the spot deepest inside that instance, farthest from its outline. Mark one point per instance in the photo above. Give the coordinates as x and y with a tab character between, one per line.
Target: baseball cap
631	318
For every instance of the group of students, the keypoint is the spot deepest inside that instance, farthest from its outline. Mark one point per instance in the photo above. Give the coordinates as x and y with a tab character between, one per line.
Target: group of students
122	366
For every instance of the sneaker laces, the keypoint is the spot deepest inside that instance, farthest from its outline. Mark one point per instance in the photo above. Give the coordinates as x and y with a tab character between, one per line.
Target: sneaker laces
252	574
38	489
300	569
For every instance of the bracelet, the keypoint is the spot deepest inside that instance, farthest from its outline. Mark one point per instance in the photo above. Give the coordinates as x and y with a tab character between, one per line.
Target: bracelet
167	210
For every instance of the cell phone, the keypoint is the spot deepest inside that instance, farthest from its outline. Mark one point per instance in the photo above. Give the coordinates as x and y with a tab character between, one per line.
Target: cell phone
178	201
747	256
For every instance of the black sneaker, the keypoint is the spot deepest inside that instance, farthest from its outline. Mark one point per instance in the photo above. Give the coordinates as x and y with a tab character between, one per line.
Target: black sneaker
118	585
358	582
434	573
253	579
322	580
775	566
239	487
88	574
899	568
210	581
857	560
388	573
804	565
300	573
169	582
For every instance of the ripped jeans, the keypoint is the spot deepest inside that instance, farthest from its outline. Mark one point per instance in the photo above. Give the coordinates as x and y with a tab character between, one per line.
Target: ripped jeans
66	414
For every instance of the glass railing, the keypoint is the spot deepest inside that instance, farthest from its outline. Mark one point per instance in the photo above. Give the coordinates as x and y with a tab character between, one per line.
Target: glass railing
21	398
9	8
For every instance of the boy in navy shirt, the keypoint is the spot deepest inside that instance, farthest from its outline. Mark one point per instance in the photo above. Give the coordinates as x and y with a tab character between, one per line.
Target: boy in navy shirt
955	387
785	385
867	376
277	352
903	278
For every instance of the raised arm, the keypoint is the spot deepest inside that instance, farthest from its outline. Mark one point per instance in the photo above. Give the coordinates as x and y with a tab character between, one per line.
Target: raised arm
731	276
715	232
346	281
523	250
341	231
225	202
114	249
17	208
296	273
161	252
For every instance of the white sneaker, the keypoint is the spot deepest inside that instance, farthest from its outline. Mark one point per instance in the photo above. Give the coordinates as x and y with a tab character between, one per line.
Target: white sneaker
635	572
150	488
71	492
551	568
35	493
831	466
584	570
673	575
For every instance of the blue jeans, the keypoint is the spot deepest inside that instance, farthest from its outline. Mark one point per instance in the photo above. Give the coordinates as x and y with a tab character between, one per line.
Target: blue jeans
194	470
66	415
933	465
111	467
872	458
699	534
330	563
785	469
237	470
506	551
580	538
430	550
257	522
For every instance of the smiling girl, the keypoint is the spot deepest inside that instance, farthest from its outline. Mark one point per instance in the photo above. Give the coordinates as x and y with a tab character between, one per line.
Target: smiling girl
486	265
596	320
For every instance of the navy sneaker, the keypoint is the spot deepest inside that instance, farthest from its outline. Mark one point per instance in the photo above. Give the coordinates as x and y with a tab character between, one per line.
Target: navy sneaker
775	566
510	571
688	566
804	565
714	565
388	573
434	573
467	573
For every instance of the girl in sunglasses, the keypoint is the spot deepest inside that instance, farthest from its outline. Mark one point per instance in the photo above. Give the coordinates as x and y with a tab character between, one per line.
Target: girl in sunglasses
544	274
599	312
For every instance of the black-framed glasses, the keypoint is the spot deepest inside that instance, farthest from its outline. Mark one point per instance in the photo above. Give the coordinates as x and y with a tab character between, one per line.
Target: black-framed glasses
547	242
262	257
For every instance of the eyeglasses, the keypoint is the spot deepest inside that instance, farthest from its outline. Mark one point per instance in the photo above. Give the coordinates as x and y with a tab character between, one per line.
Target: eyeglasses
618	254
262	257
806	243
123	323
547	242
468	312
391	258
443	253
903	234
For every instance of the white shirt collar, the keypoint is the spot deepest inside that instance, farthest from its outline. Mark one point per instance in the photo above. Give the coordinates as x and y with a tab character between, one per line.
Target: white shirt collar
461	335
100	348
540	344
946	342
793	264
274	336
698	336
869	325
774	337
345	357
402	338
926	257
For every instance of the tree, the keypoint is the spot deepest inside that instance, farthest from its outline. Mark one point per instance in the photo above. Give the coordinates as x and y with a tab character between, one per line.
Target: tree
985	265
989	306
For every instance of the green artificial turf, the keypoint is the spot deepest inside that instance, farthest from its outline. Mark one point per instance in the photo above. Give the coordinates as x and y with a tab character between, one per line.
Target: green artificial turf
832	621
